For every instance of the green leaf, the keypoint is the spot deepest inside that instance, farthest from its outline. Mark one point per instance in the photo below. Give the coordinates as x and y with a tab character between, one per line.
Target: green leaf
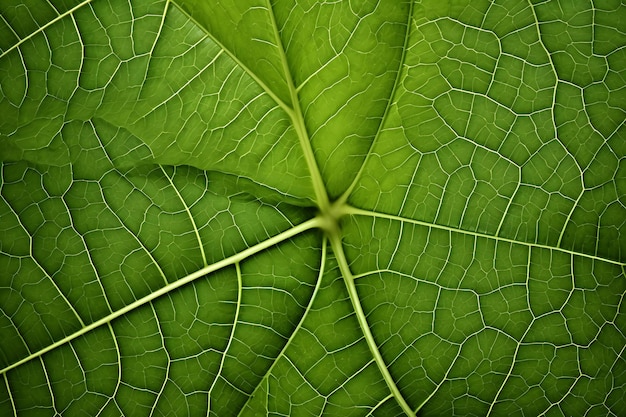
350	208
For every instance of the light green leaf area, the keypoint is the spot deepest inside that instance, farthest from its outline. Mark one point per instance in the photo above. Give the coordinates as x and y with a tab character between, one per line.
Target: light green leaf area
281	208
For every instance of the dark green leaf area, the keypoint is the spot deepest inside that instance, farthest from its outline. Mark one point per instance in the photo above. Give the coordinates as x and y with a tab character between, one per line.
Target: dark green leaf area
337	208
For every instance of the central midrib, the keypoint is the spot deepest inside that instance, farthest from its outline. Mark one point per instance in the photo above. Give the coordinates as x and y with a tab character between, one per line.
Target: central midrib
297	118
329	221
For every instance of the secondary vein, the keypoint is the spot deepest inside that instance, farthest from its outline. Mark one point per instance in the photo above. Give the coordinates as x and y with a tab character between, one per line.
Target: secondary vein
335	240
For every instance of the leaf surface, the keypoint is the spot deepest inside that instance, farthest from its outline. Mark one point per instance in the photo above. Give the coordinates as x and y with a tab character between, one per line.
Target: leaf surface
348	208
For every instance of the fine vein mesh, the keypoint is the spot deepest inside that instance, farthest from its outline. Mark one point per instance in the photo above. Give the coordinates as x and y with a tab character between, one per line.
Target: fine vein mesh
472	265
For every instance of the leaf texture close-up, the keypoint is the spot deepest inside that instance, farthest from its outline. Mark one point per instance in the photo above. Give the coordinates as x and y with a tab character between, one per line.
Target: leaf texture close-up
312	208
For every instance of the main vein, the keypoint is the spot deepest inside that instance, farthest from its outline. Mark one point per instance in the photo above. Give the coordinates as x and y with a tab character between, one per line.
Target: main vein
337	246
42	28
297	119
231	260
349	210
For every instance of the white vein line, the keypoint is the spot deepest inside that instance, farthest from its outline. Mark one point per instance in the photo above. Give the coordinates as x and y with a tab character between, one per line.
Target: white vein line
9	26
6	382
517	347
399	77
87	252
234	57
274	240
305	381
105	201
157	37
119	372
46	26
357	373
82	60
218	375
380	404
348	278
168	367
46	374
34	258
296	330
188	211
346	209
297	118
199	75
26	85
